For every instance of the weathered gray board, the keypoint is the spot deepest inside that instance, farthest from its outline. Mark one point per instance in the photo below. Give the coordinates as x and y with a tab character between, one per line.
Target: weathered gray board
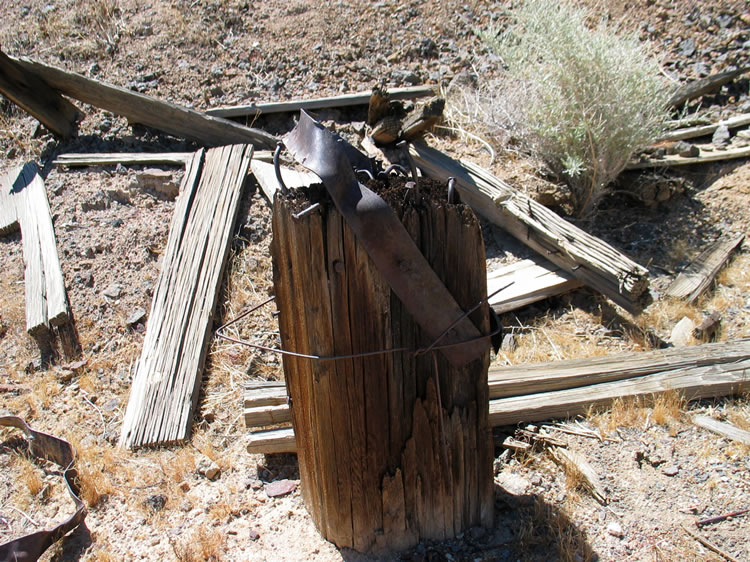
168	373
23	203
559	389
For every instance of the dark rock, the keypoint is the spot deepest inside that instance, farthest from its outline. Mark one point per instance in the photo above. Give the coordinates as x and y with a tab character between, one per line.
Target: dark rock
686	149
721	136
687	46
155	502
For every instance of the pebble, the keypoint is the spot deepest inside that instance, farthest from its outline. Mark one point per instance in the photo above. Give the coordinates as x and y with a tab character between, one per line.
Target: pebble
209	469
114	291
138	315
670	470
721	136
280	488
615	529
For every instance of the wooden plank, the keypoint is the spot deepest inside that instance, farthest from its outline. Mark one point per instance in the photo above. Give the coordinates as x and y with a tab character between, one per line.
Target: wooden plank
146	110
168	373
526	282
264	393
706	85
702	130
346	100
587	258
35	97
575	462
272	441
265	174
694	383
722	428
700	274
23	201
703	158
259	416
73	159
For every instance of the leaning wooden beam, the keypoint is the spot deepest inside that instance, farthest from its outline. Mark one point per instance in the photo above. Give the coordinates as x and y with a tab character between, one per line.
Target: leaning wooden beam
698	276
146	110
346	100
73	159
703	130
708	381
23	201
676	160
722	428
706	85
526	282
167	376
539	378
587	258
265	175
35	97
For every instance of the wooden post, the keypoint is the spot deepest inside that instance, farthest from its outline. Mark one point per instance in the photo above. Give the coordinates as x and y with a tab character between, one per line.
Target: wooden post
386	456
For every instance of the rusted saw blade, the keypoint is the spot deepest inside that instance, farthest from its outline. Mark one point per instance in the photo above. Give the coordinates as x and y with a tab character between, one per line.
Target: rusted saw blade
386	241
30	547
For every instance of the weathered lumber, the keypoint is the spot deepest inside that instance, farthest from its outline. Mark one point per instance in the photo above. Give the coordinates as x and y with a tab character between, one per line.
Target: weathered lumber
700	274
706	85
722	428
73	159
676	160
346	100
576	463
703	130
23	201
147	110
36	98
387	455
265	175
693	383
527	281
540	391
272	441
585	257
168	373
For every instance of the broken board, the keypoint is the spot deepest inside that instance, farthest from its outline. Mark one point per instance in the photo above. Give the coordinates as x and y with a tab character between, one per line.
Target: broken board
167	375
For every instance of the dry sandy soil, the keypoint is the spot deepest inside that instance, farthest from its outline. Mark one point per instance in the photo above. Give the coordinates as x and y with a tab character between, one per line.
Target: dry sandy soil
660	471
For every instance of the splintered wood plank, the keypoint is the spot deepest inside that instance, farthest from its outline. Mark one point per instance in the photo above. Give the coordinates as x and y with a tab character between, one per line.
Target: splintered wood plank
168	373
722	428
527	281
272	441
575	462
146	110
344	100
73	159
697	88
677	160
698	276
265	174
23	200
587	258
34	96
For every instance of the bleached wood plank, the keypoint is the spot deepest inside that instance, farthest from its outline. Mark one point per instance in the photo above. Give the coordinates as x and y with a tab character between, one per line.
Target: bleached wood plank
8	215
585	257
168	373
264	393
697	88
725	429
147	110
260	416
73	159
704	157
272	441
702	130
265	174
698	276
526	282
345	100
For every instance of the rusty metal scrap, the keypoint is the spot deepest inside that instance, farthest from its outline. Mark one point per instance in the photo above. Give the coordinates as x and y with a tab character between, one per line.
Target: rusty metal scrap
386	241
48	447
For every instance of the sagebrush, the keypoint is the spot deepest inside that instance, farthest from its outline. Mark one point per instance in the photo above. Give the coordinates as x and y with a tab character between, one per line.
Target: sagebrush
580	97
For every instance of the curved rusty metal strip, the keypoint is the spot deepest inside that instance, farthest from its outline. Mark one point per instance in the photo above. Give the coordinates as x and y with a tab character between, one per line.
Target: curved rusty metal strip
30	547
386	241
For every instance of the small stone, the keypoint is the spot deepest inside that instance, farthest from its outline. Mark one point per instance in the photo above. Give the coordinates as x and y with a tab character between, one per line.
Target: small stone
745	18
184	486
687	46
209	469
615	529
685	149
135	317
156	502
97	202
253	535
280	488
682	333
670	470
513	484
114	291
721	136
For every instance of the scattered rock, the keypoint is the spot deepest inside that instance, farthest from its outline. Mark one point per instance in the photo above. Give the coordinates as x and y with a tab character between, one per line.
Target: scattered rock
685	149
405	77
155	502
122	196
160	181
184	486
513	484
615	529
97	202
114	291
670	470
280	488
253	535
135	317
209	469
687	46
721	136
682	333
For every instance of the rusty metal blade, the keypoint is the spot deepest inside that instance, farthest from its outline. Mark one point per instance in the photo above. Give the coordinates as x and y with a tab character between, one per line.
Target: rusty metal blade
386	241
30	547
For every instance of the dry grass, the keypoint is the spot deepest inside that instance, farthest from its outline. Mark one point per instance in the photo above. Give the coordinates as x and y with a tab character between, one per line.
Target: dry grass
96	465
29	475
665	409
204	544
543	525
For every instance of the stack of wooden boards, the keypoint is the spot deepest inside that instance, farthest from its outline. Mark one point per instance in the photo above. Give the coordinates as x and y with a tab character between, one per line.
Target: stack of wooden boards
558	389
24	204
167	376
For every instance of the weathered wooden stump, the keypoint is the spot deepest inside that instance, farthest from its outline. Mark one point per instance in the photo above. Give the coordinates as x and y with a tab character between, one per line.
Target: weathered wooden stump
386	456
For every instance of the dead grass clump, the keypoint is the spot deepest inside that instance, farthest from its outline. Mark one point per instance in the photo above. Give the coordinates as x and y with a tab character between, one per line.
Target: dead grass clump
665	409
543	525
95	464
29	475
203	545
178	465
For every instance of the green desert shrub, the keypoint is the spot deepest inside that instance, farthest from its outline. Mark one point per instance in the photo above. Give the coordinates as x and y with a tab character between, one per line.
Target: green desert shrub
580	97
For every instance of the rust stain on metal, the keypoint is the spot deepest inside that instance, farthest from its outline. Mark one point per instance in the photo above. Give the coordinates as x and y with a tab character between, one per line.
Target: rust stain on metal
386	241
